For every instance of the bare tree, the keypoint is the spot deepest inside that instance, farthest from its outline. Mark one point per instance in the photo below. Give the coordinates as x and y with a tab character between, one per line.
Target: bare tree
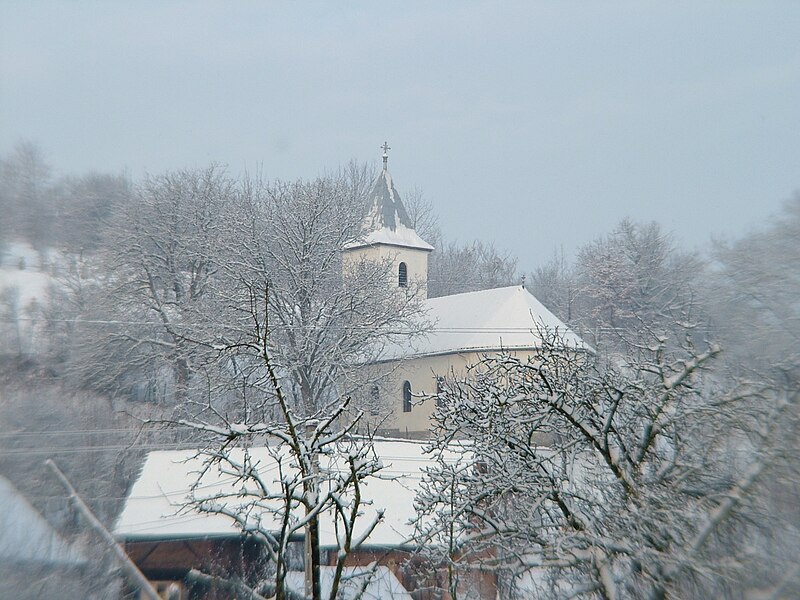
327	319
555	284
422	214
597	478
26	194
317	467
153	286
86	205
635	277
753	290
290	330
455	268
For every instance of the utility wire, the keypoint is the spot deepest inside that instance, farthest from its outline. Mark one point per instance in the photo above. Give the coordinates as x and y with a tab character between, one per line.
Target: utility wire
282	327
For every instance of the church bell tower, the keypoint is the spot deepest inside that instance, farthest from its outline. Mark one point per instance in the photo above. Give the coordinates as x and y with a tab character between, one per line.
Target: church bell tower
391	236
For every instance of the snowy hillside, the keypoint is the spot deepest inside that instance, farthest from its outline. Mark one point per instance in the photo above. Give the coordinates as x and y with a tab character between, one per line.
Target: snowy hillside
25	273
26	276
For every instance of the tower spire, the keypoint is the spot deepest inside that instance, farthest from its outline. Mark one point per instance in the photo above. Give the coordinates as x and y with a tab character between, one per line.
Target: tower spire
385	149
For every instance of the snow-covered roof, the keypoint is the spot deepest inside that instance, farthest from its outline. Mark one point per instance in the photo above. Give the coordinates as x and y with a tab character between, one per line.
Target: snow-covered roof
26	537
156	504
382	583
388	221
507	318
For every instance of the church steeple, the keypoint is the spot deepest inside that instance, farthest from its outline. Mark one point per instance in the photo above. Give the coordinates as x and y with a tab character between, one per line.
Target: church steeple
387	220
390	234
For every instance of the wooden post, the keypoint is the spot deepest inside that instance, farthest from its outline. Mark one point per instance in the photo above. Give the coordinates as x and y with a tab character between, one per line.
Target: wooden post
128	566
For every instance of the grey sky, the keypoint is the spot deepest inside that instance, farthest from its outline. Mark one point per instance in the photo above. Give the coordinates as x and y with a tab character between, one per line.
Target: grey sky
534	125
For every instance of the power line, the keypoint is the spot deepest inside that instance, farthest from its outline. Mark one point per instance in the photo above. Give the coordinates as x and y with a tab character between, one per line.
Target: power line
45	450
165	447
77	432
531	329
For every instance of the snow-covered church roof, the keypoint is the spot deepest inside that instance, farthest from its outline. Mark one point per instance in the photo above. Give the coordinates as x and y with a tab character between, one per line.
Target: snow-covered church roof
507	318
388	221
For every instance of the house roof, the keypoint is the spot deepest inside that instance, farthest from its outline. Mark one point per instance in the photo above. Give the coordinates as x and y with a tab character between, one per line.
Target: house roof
381	583
157	504
388	221
26	537
507	318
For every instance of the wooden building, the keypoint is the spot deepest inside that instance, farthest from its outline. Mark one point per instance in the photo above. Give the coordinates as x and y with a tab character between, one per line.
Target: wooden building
168	538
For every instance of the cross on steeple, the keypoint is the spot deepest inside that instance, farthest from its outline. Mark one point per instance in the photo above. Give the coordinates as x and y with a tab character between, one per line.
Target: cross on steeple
385	149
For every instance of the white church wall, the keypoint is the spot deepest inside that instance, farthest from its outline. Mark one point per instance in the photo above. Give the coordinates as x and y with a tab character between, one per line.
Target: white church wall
416	264
422	373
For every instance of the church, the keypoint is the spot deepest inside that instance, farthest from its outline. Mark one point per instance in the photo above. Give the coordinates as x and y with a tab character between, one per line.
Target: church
169	540
465	327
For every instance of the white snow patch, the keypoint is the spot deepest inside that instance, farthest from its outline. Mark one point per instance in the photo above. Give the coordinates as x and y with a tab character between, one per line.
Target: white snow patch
29	286
26	536
156	506
24	273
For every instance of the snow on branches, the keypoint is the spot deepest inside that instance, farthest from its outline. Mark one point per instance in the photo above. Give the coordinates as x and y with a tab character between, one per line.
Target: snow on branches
592	476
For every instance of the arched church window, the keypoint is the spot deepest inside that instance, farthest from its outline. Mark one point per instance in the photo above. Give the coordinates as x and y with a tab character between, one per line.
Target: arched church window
402	275
406	396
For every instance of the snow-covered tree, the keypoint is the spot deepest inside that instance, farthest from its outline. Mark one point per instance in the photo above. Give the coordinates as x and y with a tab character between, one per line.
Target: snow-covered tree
555	284
591	477
635	277
423	217
284	264
631	279
153	286
26	195
318	466
756	291
86	205
753	293
285	335
456	268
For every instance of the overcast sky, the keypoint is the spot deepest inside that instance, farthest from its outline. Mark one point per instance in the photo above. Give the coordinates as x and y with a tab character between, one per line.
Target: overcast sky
533	125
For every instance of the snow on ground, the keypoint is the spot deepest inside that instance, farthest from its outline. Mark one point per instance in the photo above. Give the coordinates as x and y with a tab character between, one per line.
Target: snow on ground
24	274
25	279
